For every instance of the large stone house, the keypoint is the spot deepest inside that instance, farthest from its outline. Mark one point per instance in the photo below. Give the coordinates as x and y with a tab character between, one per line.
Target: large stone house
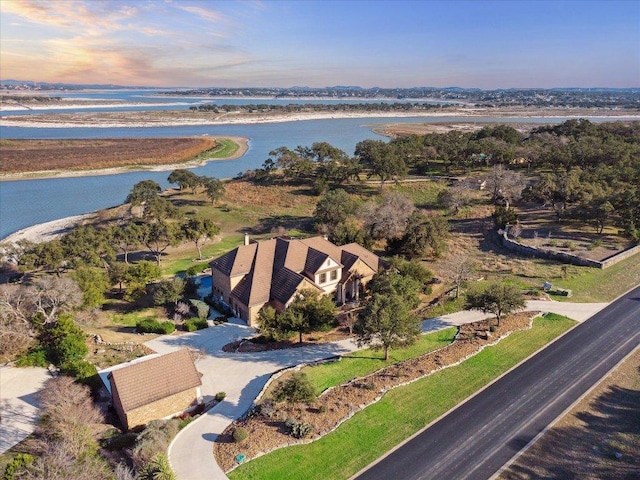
274	271
154	388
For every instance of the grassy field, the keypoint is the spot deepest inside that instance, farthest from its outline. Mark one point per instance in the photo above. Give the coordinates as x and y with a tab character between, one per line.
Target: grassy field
401	412
21	156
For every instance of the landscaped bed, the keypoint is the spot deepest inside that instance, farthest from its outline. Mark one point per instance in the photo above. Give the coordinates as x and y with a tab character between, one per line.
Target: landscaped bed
400	413
268	431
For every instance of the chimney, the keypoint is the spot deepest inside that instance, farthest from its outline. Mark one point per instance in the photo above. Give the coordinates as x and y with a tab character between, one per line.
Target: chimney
246	239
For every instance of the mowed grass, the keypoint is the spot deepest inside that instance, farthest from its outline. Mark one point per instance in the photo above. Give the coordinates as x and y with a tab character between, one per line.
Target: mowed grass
130	319
601	285
364	362
180	261
401	412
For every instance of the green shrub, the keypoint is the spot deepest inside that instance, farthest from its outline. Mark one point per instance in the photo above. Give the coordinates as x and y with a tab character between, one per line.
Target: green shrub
153	439
322	408
82	370
290	422
17	465
200	308
197	268
120	441
37	357
154	326
297	388
240	435
493	328
301	430
185	421
220	396
194	324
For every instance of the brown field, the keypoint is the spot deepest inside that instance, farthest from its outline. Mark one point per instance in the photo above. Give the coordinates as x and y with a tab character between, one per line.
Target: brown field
22	156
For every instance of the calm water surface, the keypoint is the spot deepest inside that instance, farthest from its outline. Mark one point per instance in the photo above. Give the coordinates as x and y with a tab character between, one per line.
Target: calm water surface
28	202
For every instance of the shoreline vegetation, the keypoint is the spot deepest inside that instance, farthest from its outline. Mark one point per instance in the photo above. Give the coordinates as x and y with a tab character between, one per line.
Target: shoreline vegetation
91	156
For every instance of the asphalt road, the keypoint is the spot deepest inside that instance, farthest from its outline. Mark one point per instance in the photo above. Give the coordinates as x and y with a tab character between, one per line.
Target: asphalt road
476	439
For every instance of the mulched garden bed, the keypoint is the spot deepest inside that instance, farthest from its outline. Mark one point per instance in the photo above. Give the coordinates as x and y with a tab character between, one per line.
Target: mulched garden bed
268	432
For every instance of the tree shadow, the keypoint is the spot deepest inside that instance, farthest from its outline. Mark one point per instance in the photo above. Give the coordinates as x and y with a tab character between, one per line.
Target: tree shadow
288	222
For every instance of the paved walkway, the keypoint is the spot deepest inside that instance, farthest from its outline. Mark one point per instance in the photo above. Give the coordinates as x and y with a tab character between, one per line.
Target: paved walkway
18	407
242	377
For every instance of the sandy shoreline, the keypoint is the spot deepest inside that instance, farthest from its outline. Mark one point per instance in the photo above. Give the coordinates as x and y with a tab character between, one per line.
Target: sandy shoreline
232	118
45	232
243	147
80	106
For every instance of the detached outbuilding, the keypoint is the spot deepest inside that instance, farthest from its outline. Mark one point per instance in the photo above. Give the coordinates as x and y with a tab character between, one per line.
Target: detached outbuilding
160	387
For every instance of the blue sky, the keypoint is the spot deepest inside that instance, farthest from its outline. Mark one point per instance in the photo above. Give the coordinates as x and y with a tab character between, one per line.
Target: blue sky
485	44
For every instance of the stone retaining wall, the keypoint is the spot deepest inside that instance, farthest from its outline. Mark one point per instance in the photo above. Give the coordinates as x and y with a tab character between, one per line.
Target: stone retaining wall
564	257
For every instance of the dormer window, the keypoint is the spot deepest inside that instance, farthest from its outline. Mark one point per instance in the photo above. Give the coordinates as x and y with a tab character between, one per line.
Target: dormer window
323	278
333	275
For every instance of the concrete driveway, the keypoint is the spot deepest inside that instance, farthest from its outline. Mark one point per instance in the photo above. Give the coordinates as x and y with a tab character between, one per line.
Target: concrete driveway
18	406
242	377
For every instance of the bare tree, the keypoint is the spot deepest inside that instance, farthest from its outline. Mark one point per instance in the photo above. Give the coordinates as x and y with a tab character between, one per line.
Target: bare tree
53	295
504	184
388	219
455	197
16	332
459	270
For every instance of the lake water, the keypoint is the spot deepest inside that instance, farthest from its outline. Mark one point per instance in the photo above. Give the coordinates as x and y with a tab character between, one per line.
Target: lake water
28	202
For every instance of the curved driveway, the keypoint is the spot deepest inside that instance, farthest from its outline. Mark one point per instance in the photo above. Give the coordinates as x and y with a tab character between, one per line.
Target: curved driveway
242	377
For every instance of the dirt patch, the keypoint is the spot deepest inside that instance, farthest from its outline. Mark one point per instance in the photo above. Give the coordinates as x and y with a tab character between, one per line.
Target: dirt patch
268	432
598	439
21	156
248	346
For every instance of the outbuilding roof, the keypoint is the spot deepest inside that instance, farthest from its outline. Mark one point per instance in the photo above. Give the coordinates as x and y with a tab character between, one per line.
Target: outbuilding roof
152	380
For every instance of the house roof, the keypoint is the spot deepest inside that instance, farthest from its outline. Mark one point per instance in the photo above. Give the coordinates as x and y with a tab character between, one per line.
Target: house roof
274	269
160	377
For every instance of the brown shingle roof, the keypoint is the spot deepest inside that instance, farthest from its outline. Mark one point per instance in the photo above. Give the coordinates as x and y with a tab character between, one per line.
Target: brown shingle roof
273	269
146	382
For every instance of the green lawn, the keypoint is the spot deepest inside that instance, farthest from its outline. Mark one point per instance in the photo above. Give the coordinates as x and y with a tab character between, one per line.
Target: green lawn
401	412
130	319
598	285
225	148
364	362
171	265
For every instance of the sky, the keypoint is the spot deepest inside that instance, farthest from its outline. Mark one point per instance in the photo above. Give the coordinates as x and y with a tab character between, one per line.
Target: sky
270	43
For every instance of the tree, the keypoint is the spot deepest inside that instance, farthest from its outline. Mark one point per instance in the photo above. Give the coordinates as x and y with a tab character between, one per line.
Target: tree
414	270
213	188
87	246
199	230
52	295
498	299
381	160
143	192
310	311
184	179
505	185
94	282
138	276
296	389
16	329
387	219
157	237
64	342
334	208
118	273
455	197
167	291
425	233
459	269
385	323
126	237
158	209
504	216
